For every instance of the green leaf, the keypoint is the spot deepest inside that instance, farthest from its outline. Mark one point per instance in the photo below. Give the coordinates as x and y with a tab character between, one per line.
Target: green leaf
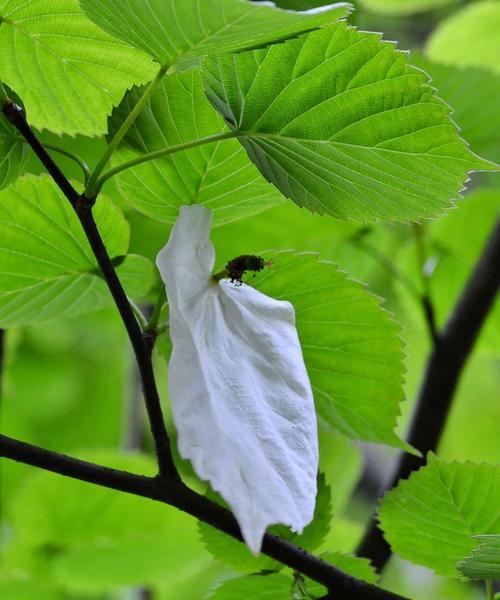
218	175
13	150
71	73
257	587
342	125
47	267
180	33
404	7
350	564
352	349
430	518
237	556
88	538
469	38
484	562
465	89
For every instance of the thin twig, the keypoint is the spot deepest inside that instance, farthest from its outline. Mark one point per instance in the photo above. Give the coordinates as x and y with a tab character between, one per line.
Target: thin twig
341	585
141	344
76	159
444	368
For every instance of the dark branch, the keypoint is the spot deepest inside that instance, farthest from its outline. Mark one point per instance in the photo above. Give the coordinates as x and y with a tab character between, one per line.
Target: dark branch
444	367
141	345
341	585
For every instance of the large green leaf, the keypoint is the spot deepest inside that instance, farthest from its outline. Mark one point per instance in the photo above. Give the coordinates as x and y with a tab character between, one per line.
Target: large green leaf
257	587
218	175
47	267
67	71
404	7
484	562
90	538
352	349
430	518
465	89
341	124
469	38
182	32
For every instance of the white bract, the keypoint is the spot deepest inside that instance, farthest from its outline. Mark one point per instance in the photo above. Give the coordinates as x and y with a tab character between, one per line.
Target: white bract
239	391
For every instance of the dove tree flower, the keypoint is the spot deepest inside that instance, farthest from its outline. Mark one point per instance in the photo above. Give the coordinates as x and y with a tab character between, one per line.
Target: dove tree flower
239	390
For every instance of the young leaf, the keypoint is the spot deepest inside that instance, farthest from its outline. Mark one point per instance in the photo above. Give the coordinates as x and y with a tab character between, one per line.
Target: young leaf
180	33
218	175
257	587
430	518
342	125
48	270
469	38
71	73
352	349
484	562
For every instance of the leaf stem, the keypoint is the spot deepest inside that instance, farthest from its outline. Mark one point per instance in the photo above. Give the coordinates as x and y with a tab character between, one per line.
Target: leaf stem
158	154
139	315
152	324
489	589
76	159
92	188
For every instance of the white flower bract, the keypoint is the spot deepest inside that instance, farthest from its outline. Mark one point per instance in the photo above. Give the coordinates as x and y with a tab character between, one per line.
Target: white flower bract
240	396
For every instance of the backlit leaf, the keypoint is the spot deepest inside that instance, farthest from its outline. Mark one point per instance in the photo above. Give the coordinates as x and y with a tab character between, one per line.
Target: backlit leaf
67	71
342	125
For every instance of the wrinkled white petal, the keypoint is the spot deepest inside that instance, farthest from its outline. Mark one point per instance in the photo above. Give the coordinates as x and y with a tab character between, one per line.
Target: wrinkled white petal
240	395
